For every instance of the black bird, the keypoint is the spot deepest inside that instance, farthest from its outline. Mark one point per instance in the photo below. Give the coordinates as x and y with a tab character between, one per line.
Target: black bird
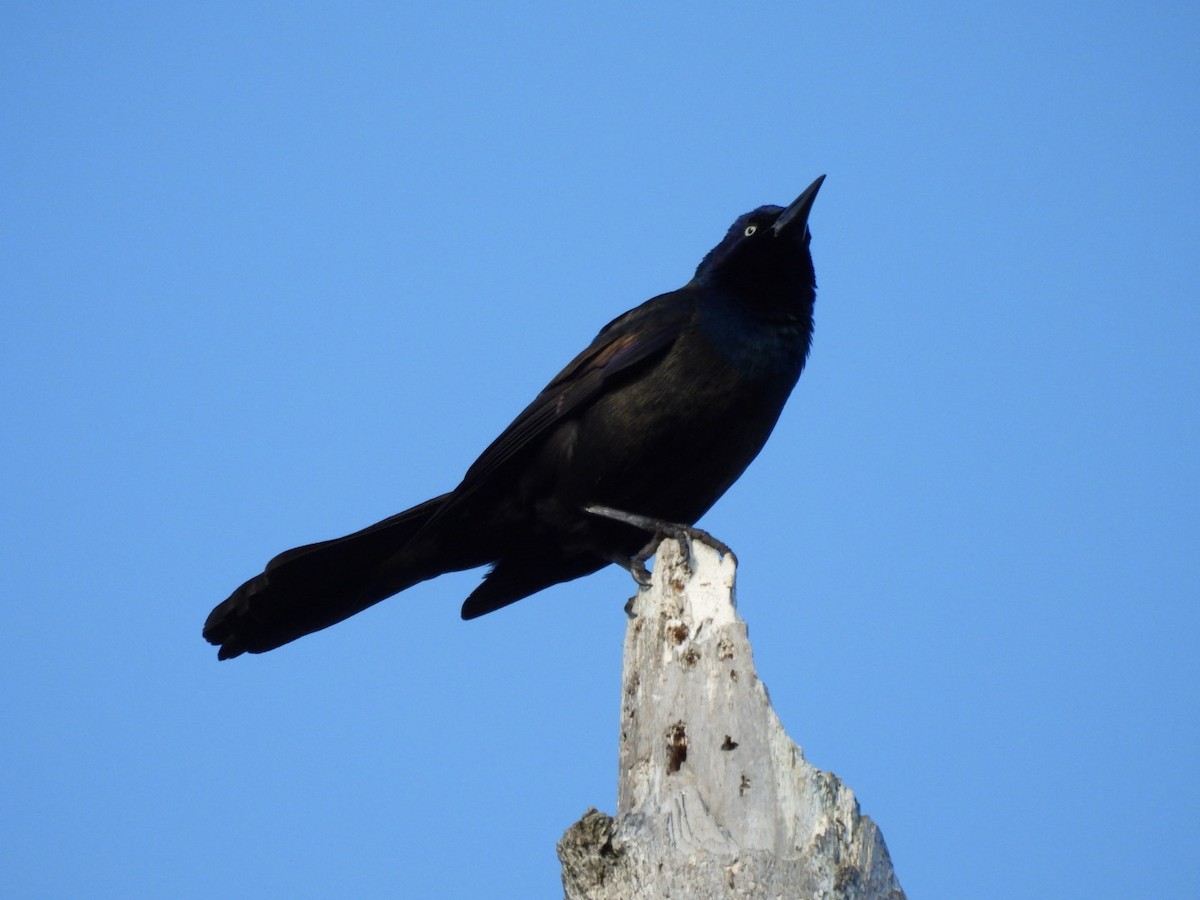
638	436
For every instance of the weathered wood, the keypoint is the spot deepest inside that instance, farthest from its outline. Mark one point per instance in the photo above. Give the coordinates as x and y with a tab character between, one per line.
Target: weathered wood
714	800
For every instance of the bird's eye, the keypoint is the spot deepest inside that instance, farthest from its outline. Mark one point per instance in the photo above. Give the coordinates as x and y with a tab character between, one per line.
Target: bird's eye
750	229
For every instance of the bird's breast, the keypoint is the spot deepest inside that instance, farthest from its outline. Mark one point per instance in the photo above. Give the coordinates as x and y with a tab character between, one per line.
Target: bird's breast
671	439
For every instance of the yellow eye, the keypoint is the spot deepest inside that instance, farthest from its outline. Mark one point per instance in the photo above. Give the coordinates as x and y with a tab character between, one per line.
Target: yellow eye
750	229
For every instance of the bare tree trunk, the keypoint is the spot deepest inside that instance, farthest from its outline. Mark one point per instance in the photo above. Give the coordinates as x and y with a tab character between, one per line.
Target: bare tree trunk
714	800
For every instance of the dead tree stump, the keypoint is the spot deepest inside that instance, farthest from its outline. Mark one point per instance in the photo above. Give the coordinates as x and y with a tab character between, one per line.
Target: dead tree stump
714	800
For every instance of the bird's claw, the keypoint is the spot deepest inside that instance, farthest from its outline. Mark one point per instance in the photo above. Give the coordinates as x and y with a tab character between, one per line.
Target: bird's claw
691	533
641	574
683	535
637	563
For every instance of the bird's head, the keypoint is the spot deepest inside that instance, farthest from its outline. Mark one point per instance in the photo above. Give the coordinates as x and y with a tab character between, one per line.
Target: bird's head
765	250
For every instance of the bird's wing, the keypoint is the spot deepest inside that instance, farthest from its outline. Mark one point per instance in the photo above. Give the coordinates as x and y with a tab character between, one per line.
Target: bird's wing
623	346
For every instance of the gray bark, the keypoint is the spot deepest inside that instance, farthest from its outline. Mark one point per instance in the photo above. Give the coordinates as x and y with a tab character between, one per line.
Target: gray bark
714	800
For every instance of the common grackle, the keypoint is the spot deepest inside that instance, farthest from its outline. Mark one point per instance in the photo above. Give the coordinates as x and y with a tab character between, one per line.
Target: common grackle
637	437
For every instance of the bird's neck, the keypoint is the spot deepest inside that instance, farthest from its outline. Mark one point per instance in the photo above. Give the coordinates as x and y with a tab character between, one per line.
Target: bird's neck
767	331
778	299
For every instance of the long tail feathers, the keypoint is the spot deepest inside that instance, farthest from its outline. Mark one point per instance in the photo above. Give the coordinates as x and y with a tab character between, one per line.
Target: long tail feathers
315	586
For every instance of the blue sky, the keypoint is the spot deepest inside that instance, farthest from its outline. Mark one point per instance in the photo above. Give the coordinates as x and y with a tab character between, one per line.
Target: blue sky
271	272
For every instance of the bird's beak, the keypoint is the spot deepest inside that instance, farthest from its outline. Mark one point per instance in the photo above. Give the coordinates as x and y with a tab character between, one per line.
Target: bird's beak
796	215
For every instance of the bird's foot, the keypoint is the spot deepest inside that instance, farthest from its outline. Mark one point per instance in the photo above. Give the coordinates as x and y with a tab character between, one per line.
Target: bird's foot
681	534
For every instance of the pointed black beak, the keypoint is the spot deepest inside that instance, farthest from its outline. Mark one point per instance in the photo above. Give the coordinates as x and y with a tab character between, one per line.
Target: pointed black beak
796	215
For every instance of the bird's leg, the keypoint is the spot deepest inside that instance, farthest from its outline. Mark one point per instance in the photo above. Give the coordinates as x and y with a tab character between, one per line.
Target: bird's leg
658	529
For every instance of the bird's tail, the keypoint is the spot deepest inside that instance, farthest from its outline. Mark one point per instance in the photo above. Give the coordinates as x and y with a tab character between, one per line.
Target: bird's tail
318	585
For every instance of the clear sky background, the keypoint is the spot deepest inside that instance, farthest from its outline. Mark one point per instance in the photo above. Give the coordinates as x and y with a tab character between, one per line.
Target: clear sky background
271	272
